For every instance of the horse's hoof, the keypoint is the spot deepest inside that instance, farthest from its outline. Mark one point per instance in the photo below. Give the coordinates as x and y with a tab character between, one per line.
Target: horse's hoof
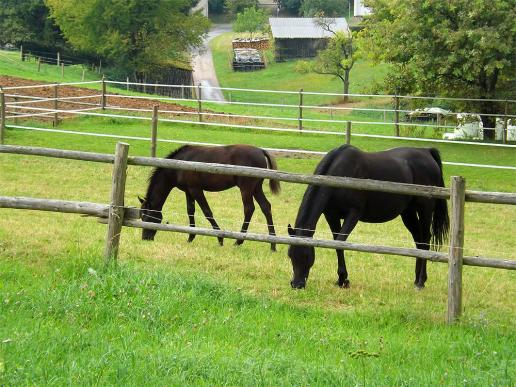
344	284
419	286
221	242
238	242
273	248
191	238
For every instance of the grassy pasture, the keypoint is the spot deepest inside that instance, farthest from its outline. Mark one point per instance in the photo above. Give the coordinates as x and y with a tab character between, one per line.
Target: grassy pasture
179	313
199	314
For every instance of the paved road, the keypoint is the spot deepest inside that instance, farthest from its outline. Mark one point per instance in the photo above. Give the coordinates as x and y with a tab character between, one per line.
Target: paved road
203	68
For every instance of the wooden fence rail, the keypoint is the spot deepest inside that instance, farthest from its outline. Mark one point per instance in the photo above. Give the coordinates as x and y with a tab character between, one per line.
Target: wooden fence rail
116	215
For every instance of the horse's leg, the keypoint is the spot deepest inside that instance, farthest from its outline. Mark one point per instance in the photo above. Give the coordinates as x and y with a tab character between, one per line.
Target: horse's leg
190	209
421	238
266	207
341	234
247	201
199	197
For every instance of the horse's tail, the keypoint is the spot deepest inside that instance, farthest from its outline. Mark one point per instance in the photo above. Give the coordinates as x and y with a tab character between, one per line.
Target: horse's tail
440	218
274	184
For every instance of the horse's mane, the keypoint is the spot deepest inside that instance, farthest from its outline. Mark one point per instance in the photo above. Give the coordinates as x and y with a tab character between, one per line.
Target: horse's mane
312	190
154	176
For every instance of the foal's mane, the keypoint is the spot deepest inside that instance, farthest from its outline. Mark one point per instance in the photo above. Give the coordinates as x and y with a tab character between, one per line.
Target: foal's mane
154	176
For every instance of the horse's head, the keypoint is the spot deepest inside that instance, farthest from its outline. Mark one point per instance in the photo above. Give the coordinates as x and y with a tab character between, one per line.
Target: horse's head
149	215
302	258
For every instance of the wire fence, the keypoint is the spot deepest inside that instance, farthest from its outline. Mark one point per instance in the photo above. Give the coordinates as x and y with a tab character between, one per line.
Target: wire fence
23	103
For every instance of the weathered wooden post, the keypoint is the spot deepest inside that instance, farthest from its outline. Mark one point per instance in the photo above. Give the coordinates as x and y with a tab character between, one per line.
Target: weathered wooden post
300	116
103	97
397	115
505	125
2	117
199	102
348	132
154	130
62	70
127	83
116	209
83	73
56	117
15	111
457	199
58	60
21	54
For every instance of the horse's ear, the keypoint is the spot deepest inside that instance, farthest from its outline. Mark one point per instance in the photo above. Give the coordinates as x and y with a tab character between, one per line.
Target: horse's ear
290	230
142	200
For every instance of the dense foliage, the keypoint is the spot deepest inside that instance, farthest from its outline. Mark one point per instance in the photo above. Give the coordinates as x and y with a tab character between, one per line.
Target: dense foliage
292	6
251	20
330	8
238	6
131	35
27	23
459	48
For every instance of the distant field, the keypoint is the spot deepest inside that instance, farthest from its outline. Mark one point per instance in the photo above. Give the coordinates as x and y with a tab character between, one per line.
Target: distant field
175	313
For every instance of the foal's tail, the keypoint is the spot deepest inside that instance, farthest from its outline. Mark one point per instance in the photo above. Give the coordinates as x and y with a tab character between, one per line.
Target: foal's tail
274	185
440	219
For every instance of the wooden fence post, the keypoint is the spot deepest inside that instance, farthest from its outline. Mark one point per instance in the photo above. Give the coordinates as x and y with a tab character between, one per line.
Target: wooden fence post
397	115
58	60
127	83
199	102
56	117
21	54
83	72
62	70
505	125
348	133
16	111
300	117
103	97
2	117
116	210
154	130
457	199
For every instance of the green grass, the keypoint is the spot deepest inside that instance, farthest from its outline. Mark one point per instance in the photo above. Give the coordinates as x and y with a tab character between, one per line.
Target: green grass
175	313
10	64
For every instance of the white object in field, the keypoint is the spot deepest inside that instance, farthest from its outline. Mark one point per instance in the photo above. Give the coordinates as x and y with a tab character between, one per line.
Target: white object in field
469	127
511	129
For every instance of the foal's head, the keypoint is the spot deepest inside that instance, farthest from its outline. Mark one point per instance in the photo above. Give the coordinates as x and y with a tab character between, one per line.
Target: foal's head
302	258
147	214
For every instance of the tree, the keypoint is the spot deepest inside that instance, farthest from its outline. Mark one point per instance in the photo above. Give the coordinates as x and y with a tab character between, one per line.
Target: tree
215	6
251	20
338	57
132	35
237	6
330	8
292	6
27	23
460	48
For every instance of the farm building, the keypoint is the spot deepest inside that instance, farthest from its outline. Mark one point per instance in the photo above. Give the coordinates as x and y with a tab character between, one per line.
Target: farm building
301	37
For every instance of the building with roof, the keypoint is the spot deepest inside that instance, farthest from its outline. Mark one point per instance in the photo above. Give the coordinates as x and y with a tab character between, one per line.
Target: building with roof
301	37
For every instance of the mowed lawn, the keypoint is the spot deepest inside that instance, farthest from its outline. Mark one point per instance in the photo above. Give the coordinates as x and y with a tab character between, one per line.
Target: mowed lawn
198	314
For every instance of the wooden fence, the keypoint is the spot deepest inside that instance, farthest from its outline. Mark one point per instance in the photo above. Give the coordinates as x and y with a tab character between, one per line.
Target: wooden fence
116	214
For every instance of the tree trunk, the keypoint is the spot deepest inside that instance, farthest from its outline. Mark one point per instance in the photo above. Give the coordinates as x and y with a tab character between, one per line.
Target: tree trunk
488	122
346	85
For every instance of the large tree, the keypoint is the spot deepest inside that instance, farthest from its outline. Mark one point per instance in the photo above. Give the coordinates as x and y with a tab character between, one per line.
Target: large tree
459	48
251	20
27	23
132	35
329	8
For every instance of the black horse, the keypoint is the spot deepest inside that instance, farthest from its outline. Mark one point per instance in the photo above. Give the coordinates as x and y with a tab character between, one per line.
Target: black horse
425	218
163	180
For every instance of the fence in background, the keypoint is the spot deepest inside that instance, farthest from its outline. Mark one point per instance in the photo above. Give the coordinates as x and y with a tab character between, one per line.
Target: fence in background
19	106
116	214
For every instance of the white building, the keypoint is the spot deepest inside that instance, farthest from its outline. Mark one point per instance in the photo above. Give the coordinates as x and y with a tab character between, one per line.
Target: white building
360	10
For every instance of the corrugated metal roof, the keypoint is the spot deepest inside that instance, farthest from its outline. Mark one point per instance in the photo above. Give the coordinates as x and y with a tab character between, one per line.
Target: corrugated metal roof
303	27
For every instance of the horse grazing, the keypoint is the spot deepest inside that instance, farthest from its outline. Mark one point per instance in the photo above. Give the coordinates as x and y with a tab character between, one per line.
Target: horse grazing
193	184
425	218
